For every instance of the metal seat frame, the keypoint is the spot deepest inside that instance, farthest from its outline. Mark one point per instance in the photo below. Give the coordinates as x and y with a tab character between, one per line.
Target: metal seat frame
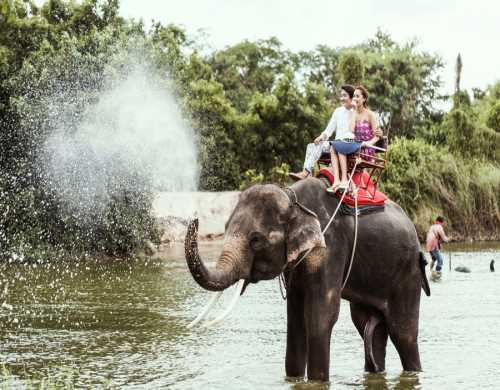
374	164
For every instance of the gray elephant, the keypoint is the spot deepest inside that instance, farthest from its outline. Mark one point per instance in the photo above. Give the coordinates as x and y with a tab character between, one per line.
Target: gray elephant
271	228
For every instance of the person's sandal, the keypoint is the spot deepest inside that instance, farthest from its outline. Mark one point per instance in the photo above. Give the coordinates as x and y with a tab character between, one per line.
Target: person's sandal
343	186
299	176
333	189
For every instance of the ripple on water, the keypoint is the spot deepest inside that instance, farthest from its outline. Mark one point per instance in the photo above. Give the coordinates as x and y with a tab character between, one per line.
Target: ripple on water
125	323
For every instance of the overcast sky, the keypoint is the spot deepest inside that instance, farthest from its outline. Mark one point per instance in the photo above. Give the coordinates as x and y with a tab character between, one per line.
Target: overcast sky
445	27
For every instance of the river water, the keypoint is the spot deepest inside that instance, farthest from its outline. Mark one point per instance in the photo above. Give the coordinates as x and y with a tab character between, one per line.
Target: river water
122	325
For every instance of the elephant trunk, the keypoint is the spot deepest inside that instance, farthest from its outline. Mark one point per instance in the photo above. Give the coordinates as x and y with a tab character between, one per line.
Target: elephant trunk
219	278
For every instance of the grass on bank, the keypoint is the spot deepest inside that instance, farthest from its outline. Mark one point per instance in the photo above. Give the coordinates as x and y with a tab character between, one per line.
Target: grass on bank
428	180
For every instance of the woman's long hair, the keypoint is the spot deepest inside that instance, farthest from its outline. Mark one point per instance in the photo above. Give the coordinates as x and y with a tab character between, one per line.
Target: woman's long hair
364	92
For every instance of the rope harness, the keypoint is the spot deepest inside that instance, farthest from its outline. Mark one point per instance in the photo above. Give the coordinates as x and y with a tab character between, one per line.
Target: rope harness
284	286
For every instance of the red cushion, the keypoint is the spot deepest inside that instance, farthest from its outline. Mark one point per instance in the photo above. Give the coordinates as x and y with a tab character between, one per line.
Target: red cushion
367	193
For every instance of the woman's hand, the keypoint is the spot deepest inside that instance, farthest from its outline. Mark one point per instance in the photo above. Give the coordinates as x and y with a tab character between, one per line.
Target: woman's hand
378	132
318	139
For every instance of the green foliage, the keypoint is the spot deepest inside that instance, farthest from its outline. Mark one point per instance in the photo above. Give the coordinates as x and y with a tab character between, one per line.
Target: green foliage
247	68
461	100
461	132
279	174
493	121
251	177
403	81
468	192
60	60
469	131
254	106
351	69
478	93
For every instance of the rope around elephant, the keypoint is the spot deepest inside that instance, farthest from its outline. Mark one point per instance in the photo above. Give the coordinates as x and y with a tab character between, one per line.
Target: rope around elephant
281	279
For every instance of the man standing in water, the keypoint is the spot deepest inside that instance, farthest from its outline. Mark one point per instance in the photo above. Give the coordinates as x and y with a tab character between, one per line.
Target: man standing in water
339	122
435	236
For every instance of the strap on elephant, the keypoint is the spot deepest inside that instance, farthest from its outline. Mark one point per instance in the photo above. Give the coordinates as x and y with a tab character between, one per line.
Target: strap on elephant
292	195
284	286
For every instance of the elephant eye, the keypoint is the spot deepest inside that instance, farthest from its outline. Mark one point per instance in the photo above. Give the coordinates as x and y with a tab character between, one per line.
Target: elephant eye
258	241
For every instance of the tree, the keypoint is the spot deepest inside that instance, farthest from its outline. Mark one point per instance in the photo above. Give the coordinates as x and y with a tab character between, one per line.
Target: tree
59	53
458	72
403	81
493	120
249	67
461	132
351	70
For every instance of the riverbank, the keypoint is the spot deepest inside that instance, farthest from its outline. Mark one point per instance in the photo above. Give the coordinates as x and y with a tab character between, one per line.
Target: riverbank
174	210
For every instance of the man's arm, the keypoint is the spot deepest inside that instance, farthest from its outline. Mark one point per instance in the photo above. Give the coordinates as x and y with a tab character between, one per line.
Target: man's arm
441	234
330	128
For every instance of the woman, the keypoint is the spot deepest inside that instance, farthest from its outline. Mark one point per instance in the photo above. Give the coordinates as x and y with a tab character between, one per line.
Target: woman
365	133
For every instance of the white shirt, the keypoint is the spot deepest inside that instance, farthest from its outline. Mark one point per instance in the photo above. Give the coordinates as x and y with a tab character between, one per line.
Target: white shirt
340	123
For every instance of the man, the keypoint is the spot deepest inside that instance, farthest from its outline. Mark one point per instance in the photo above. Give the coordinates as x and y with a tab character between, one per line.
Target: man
339	122
435	236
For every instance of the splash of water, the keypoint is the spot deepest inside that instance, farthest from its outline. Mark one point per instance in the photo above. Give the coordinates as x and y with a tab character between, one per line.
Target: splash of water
134	130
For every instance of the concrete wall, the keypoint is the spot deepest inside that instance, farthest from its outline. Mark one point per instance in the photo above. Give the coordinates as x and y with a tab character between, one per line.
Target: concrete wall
174	209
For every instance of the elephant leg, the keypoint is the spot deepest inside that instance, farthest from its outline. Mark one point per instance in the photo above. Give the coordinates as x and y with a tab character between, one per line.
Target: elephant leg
373	330
402	323
321	313
405	341
296	342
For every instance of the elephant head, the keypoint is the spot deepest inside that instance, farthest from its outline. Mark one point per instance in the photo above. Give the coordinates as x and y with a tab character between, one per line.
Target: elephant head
265	231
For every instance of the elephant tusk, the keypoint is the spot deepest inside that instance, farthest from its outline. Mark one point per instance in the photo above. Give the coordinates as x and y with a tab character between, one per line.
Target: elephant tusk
208	307
237	294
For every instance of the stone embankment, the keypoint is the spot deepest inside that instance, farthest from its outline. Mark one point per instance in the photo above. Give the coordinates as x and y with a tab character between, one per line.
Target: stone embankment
175	209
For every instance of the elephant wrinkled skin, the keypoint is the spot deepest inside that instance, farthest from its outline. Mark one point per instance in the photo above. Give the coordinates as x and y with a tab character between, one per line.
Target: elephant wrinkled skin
266	231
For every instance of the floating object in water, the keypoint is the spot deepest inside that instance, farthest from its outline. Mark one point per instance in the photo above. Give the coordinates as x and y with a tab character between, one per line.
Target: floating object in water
492	265
462	269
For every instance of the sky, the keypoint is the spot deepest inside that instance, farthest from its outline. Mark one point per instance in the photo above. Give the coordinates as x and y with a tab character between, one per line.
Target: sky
444	27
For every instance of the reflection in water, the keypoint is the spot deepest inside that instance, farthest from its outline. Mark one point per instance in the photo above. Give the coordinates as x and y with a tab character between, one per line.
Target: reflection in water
300	384
380	381
124	323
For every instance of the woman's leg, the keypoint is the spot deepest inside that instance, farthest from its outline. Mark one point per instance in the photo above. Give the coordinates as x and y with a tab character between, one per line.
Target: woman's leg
343	167
335	166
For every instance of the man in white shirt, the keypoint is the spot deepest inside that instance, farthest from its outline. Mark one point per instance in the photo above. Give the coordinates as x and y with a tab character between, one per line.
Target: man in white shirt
339	122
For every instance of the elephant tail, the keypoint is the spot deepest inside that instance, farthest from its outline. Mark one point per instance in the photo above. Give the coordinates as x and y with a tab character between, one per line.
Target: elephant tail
370	326
425	283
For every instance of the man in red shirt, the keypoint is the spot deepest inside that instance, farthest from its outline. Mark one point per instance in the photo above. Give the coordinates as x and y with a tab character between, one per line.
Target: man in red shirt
435	236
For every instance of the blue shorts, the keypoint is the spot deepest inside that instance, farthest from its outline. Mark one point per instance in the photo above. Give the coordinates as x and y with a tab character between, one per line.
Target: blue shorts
345	147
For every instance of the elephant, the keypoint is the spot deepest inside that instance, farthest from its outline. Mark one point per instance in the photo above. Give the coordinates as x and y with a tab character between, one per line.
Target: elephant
266	234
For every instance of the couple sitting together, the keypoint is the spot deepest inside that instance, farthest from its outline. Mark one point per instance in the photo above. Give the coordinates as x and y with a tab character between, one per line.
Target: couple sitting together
356	129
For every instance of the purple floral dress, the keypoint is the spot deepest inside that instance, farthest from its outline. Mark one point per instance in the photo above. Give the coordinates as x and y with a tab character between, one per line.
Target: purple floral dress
363	131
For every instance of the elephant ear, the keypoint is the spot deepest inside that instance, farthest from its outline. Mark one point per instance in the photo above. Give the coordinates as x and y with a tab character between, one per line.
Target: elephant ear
304	233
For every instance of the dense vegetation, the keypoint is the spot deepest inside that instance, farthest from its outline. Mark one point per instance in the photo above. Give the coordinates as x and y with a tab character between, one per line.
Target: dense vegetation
254	106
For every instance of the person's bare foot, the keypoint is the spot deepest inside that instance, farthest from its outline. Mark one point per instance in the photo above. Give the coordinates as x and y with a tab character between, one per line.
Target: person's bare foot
299	176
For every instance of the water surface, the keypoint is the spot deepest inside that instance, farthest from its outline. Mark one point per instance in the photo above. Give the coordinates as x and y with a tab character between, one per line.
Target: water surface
122	324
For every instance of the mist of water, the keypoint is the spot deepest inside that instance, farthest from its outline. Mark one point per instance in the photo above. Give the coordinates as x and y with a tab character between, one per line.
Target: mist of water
132	130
